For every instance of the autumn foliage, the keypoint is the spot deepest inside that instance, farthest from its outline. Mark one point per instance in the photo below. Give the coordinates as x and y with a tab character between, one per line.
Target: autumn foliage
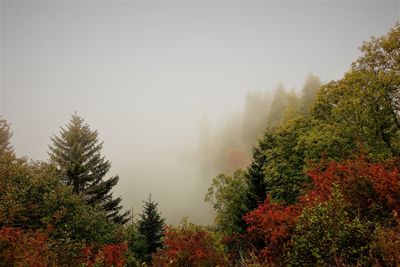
322	189
189	245
270	226
107	255
20	247
363	183
369	192
26	248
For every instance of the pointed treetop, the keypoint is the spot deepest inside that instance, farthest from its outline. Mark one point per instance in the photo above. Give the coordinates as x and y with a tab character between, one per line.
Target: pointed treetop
5	136
77	154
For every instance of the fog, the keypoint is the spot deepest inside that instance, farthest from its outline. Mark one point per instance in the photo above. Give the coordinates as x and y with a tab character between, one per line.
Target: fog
159	79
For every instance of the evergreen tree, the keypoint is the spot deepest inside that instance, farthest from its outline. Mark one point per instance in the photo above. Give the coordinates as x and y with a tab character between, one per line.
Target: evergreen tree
309	92
278	106
7	156
257	187
5	136
150	228
76	153
293	107
255	117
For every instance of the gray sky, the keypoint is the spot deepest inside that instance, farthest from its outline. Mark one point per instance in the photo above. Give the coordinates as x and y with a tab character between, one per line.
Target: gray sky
144	73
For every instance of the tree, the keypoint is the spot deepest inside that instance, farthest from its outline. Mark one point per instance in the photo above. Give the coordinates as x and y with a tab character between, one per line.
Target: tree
255	117
76	153
5	136
227	194
7	156
255	178
32	197
293	107
365	104
309	92
150	228
278	105
325	236
277	166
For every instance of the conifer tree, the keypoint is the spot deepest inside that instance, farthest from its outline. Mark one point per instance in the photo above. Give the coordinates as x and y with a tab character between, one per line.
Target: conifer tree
7	156
257	186
293	107
309	92
5	136
76	153
255	117
150	228
278	106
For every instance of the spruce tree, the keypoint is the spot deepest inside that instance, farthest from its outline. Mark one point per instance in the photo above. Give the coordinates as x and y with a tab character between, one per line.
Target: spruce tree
150	228
257	186
76	153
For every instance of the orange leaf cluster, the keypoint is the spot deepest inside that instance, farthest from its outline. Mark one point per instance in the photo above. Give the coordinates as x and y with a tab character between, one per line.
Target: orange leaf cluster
194	246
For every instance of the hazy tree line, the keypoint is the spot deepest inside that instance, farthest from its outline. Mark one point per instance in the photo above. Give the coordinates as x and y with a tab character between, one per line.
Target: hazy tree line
229	146
321	187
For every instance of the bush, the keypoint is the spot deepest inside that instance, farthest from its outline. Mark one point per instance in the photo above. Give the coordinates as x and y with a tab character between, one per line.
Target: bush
190	245
325	236
270	227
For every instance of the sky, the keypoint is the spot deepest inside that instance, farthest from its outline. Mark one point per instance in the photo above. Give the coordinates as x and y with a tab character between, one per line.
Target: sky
144	73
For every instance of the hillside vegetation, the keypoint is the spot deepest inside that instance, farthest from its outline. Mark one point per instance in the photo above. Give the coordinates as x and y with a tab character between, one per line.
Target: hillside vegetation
321	187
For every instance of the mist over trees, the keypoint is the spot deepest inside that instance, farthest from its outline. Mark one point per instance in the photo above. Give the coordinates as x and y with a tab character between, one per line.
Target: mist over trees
307	179
229	146
323	183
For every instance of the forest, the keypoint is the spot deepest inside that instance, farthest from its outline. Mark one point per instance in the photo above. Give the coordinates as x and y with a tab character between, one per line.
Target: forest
312	180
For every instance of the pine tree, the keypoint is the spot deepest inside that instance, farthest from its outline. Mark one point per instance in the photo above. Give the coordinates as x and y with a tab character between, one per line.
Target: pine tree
150	228
76	153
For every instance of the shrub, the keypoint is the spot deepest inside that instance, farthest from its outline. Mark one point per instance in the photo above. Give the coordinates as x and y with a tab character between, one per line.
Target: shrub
270	227
324	235
190	245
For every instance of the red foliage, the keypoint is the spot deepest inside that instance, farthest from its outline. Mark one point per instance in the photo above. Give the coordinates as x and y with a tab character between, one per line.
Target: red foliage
25	248
34	248
383	176
388	244
107	255
362	182
188	246
271	223
114	254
